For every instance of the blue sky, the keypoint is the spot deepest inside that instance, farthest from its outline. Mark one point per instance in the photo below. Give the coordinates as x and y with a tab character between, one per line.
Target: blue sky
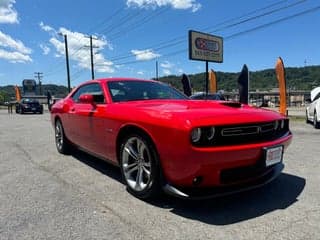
130	36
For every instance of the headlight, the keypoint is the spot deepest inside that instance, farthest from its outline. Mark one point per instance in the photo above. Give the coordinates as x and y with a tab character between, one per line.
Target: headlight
195	135
210	133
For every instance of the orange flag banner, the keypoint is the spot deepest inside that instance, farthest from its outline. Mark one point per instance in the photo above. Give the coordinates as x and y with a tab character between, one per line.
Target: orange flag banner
18	95
212	82
281	76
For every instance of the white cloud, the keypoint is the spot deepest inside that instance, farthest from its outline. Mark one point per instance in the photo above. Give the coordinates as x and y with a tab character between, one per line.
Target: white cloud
177	4
79	51
167	64
14	57
45	49
7	13
140	72
144	55
166	72
7	41
46	28
18	51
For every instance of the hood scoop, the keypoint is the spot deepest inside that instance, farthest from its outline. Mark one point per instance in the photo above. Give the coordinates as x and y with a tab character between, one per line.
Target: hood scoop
232	104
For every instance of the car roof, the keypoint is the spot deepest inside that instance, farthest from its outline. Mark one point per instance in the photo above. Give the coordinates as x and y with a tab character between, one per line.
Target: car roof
118	79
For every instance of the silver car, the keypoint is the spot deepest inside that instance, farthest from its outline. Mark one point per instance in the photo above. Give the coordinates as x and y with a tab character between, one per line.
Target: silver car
313	109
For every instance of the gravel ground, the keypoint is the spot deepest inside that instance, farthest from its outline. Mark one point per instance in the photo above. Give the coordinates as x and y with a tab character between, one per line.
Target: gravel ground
46	195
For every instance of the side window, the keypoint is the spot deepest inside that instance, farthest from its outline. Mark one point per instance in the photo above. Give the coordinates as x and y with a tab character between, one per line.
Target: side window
93	89
317	97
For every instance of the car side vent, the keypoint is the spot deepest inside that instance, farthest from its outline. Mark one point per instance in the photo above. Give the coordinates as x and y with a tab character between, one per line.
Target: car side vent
232	104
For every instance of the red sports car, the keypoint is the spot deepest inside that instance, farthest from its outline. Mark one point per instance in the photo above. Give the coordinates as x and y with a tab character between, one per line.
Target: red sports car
161	139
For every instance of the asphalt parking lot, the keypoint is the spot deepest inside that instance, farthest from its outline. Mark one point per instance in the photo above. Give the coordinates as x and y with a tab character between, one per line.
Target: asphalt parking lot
46	195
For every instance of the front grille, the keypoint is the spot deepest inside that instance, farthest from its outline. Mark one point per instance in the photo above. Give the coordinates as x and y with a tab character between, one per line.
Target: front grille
247	130
245	133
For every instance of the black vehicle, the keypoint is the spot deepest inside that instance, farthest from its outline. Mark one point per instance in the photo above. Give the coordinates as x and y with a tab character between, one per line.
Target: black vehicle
29	105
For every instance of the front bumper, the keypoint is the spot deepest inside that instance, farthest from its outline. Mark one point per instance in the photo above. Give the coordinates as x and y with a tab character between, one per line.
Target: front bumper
212	192
224	166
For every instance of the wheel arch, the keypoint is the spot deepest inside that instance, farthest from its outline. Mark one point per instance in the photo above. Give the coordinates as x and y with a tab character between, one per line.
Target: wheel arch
130	129
57	118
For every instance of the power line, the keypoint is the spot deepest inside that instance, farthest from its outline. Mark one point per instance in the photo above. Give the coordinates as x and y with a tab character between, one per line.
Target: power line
107	19
138	23
274	22
314	9
179	40
122	21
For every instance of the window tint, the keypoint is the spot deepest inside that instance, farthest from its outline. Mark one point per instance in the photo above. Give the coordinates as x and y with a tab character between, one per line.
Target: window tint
93	89
317	97
141	90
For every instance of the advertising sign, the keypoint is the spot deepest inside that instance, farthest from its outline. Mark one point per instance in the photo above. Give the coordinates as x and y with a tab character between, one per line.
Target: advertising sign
29	86
205	47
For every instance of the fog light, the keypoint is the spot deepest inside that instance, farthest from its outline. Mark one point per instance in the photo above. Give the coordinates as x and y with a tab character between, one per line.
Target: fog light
197	180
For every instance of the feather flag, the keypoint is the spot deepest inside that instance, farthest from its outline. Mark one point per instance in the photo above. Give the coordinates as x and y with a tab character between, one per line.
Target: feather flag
186	85
212	82
17	91
243	82
281	76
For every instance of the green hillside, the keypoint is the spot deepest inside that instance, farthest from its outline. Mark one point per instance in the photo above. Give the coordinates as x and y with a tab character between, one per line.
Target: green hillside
304	78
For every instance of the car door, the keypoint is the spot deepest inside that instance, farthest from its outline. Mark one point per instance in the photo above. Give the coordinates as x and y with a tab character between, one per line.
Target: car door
81	117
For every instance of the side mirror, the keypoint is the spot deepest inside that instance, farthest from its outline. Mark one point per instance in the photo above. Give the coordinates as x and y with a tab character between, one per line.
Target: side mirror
308	100
86	98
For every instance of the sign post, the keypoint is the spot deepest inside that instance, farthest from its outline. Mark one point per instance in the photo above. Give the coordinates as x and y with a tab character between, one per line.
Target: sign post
205	47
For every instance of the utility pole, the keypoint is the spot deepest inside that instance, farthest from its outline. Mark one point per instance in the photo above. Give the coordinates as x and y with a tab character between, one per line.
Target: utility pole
39	76
91	55
157	76
67	59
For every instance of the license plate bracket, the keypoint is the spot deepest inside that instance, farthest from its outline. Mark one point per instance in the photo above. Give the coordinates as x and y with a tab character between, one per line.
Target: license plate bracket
273	155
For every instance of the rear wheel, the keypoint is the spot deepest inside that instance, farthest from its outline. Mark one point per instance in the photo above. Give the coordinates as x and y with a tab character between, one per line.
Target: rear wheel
316	123
307	119
140	166
62	143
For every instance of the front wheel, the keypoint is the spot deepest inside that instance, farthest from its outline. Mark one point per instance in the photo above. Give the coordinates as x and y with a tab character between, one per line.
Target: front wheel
307	119
62	143
140	166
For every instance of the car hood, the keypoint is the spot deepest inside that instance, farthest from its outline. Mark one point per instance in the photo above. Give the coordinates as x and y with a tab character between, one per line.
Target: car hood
202	112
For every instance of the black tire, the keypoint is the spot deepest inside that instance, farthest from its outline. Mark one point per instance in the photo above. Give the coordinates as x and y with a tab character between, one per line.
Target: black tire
140	167
307	120
62	143
316	123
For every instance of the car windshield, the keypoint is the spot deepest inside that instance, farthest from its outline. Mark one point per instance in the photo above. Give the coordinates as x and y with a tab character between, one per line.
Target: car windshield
132	90
204	96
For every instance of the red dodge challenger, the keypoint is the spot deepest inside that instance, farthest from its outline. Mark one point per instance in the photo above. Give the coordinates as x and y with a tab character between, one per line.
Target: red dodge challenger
161	139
